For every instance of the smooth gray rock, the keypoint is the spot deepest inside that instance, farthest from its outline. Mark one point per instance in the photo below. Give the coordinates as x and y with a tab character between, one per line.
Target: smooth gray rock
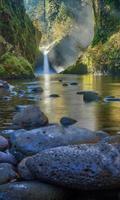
30	117
7	173
34	141
83	167
32	190
7	158
3	143
23	170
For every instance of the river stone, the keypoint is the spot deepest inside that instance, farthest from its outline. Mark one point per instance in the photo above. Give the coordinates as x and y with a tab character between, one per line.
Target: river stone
30	117
112	139
23	170
83	167
32	190
3	143
7	158
7	173
54	96
35	89
67	121
36	140
5	88
89	96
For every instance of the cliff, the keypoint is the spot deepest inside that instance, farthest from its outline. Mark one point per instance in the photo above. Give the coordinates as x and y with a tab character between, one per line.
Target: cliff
18	48
103	55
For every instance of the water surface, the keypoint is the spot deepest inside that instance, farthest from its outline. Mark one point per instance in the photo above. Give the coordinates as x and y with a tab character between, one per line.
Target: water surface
95	115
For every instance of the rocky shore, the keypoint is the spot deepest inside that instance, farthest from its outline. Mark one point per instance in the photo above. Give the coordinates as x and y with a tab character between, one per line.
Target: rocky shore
43	161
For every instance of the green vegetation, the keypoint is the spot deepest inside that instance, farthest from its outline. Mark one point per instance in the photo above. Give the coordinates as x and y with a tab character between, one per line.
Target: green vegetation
104	53
17	39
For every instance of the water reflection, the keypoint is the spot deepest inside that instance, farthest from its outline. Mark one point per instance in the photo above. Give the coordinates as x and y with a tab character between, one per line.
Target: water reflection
96	115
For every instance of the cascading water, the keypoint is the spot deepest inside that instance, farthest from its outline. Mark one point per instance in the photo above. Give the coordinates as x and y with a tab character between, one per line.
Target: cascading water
46	63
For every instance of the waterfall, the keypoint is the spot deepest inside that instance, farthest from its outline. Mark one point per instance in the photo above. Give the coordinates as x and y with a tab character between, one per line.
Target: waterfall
46	63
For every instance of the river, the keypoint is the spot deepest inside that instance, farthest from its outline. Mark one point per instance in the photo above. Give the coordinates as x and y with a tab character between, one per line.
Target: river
95	115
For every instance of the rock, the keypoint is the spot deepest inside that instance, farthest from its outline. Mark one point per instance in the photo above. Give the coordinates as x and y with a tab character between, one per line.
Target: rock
83	167
21	93
23	170
112	139
7	98
101	134
60	80
7	173
54	96
3	143
21	107
31	142
73	83
65	84
32	190
89	96
7	133
7	158
30	117
111	99
35	89
66	121
5	88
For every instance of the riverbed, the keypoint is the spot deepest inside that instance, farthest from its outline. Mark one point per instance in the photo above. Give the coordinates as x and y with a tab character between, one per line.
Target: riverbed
95	115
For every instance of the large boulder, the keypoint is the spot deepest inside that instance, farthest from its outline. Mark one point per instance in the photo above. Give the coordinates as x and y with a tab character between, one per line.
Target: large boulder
36	140
89	96
7	173
29	118
32	190
83	167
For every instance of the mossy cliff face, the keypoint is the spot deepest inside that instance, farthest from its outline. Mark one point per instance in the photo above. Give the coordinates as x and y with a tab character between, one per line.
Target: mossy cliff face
104	53
18	47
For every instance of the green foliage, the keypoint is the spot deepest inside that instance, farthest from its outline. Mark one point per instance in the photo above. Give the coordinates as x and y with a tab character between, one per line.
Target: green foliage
17	38
15	66
79	68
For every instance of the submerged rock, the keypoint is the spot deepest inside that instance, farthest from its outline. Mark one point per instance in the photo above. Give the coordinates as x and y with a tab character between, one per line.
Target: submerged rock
74	83
111	99
32	190
30	117
66	121
54	96
89	96
31	142
65	84
35	89
83	167
7	173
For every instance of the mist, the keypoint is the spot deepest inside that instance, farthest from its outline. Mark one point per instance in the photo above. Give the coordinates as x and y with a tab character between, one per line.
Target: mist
80	36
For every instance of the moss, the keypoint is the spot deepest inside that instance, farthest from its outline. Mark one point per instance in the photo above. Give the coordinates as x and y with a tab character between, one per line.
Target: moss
15	66
77	69
18	46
